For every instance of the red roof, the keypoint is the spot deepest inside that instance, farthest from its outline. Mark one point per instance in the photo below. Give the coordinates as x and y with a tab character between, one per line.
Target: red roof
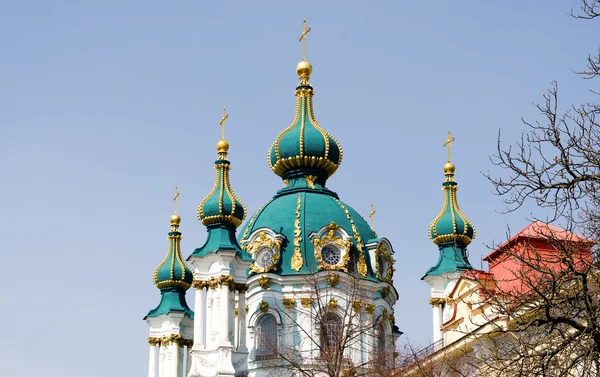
541	231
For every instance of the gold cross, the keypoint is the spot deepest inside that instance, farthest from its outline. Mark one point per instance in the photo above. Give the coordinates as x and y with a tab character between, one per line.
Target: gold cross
176	197
222	123
447	143
302	38
372	216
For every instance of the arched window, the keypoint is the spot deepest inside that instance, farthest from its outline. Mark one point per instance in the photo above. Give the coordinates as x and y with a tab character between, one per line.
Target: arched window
266	337
380	343
331	332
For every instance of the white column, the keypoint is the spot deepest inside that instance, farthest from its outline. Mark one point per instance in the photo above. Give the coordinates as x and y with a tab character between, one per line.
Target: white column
188	361
199	319
161	360
210	304
177	359
225	315
437	321
242	320
152	364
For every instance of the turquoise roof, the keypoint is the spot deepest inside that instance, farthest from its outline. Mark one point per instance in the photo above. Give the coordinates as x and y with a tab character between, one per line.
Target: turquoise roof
171	300
173	277
315	208
305	144
451	230
173	272
222	205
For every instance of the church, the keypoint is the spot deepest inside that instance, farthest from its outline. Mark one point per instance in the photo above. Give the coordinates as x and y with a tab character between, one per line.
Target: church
304	284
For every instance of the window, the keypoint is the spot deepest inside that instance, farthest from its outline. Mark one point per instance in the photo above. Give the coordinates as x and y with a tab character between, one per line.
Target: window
380	339
381	264
331	255
331	331
266	338
264	257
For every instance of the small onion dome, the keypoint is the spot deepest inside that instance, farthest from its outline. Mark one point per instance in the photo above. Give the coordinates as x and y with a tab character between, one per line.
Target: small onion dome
305	145
222	206
173	272
451	225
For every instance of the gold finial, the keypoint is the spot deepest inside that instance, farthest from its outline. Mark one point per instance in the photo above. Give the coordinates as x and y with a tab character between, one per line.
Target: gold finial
449	166
222	123
372	216
302	38
223	145
175	219
447	143
176	197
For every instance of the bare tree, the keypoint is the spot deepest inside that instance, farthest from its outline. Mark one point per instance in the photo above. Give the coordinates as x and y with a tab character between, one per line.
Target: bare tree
332	327
549	294
413	361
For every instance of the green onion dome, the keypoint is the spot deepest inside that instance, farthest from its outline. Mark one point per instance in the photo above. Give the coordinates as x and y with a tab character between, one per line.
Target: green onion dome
173	272
305	147
451	225
222	206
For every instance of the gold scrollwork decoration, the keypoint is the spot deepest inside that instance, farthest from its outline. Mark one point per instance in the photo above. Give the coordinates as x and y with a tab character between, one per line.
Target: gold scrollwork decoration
289	303
264	241
333	279
264	282
310	180
297	260
236	312
369	308
306	302
362	264
263	306
331	238
437	301
385	291
384	252
332	304
357	306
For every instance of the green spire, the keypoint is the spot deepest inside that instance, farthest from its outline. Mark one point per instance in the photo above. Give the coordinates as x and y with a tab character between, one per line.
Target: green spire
304	148
173	276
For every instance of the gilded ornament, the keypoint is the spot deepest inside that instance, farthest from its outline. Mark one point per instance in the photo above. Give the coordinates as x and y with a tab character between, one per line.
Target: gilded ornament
286	182
153	341
333	279
384	315
246	308
357	306
310	180
437	301
369	308
332	238
264	240
241	287
297	261
332	304
264	282
264	306
392	320
199	284
383	251
289	303
362	264
306	302
236	311
385	291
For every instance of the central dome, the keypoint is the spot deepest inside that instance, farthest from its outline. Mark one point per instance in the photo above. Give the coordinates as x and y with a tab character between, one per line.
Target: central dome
298	214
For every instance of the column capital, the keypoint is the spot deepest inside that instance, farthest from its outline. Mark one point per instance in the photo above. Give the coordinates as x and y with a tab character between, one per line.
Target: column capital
437	301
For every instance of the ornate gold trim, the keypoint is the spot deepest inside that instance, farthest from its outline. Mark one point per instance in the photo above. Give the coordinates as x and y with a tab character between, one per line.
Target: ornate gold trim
263	306
357	306
437	301
306	302
297	261
264	282
332	304
450	192
361	266
310	180
383	250
173	338
236	312
264	240
289	303
369	308
331	238
333	280
385	291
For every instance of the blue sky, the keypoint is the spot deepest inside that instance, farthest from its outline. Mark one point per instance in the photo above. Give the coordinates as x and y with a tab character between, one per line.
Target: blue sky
105	106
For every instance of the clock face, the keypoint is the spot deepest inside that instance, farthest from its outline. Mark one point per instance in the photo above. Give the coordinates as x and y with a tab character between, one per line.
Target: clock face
264	257
382	265
331	255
